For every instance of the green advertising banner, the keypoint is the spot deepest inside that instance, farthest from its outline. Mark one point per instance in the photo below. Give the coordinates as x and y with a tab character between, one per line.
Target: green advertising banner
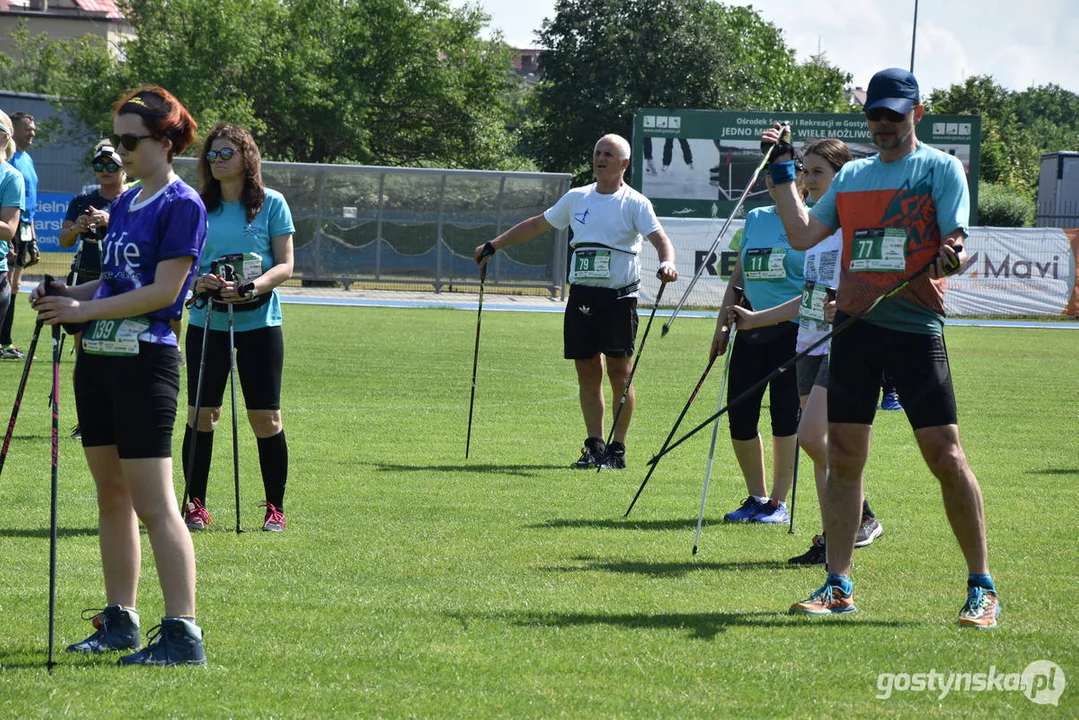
696	163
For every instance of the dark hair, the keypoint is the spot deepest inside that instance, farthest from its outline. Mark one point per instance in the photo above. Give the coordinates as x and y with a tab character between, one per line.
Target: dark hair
253	193
21	116
834	152
163	114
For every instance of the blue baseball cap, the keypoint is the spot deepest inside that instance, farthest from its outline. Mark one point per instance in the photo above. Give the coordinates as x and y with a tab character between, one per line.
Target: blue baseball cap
895	89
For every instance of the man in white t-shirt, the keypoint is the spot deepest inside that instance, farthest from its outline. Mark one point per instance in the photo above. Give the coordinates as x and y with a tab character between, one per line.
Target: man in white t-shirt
608	219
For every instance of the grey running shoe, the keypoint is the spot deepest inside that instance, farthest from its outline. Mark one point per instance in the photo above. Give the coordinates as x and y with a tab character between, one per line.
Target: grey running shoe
275	519
868	531
175	641
116	629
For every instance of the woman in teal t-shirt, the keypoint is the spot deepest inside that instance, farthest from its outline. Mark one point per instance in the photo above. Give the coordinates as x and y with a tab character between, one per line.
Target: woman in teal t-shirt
250	229
772	273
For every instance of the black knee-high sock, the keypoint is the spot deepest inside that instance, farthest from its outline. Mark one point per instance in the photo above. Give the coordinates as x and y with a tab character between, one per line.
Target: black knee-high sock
204	452
9	319
273	459
866	511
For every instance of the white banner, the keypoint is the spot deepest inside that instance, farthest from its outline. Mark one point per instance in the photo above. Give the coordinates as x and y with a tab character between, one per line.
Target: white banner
1009	271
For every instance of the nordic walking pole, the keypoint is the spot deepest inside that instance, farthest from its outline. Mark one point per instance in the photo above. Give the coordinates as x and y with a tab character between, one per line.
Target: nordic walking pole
739	298
488	251
55	406
715	432
894	290
633	370
715	243
198	395
57	339
235	435
670	435
18	395
794	485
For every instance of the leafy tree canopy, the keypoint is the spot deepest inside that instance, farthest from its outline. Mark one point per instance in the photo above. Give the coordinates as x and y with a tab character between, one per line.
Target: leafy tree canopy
608	58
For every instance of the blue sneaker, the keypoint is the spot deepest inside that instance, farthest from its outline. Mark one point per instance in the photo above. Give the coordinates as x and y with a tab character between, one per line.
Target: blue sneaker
890	401
745	512
116	629
175	641
981	609
771	513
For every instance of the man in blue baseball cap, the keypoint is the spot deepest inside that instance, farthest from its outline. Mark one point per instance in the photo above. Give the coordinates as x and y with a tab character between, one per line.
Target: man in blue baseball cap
904	214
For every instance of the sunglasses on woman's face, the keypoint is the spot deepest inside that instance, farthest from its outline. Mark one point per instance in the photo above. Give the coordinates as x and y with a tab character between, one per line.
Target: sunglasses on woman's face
102	167
130	141
224	153
878	114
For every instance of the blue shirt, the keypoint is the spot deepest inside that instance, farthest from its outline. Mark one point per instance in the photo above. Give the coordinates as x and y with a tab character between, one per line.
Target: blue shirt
12	194
229	234
25	165
769	282
171	224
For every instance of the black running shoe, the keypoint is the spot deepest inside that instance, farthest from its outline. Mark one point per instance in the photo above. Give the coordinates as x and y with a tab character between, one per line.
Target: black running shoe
815	555
615	458
592	454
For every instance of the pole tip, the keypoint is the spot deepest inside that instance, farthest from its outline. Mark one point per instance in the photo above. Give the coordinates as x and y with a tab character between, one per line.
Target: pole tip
694	549
666	329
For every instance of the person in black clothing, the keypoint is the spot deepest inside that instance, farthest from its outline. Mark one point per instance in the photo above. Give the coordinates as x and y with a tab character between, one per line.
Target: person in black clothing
87	222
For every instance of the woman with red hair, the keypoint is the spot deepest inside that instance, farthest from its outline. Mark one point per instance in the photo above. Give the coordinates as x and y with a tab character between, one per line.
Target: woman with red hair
127	379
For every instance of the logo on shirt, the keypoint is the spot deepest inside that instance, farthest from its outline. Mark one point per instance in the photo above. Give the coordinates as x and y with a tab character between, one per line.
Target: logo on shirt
584	310
911	207
581	217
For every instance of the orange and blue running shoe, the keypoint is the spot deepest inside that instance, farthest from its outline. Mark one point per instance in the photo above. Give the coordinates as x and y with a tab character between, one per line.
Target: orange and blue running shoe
981	609
827	600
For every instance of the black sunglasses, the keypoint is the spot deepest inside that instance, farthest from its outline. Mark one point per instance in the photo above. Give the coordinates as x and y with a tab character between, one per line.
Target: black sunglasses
128	140
102	167
878	114
224	153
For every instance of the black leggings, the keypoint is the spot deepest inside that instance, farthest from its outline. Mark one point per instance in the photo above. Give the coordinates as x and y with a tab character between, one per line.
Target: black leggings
751	363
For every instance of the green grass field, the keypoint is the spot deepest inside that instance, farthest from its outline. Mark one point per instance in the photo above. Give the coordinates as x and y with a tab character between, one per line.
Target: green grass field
415	583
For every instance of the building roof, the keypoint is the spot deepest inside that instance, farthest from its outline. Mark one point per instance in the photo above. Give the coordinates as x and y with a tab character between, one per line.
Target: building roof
105	7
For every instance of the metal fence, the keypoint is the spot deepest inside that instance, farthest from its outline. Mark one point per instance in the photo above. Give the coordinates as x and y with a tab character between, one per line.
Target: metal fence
415	228
1057	214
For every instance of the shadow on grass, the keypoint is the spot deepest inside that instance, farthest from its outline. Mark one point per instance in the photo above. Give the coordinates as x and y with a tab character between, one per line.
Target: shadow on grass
1054	471
44	532
701	626
669	569
622	524
507	469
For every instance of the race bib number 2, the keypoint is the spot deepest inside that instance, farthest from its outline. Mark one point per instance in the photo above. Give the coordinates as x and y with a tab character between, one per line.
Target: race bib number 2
879	250
114	337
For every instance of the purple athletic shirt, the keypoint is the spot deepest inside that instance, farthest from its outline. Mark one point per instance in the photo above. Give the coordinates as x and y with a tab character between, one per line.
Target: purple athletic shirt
171	224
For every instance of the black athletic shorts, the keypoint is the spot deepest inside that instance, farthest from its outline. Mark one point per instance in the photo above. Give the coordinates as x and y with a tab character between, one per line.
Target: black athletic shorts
596	321
918	363
260	358
129	402
756	355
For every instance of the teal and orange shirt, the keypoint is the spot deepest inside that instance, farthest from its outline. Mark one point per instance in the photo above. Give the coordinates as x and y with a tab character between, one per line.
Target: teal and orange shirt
893	216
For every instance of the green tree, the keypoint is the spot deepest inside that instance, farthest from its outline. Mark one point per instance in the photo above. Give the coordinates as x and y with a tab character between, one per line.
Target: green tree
389	82
608	58
1017	127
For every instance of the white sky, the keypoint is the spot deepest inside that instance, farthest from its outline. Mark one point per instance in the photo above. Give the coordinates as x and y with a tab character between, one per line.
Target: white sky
1019	42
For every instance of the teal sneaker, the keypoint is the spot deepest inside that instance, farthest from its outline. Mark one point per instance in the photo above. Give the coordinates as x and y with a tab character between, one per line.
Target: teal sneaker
981	609
827	600
116	628
175	641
